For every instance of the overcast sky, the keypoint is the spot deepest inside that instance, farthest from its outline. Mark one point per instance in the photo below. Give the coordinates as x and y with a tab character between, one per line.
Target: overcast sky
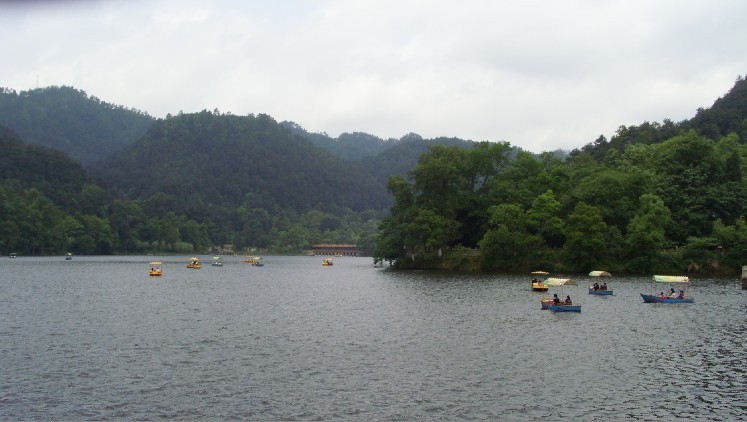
541	75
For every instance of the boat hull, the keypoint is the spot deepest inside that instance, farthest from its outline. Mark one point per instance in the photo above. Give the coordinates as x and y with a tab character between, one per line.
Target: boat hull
600	292
659	299
565	308
539	287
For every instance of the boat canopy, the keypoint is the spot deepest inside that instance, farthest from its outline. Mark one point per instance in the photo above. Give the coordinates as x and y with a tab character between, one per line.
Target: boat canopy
671	279
540	273
194	259
552	281
599	274
155	263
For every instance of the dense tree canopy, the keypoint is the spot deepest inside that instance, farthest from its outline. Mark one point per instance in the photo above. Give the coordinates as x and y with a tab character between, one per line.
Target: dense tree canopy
669	204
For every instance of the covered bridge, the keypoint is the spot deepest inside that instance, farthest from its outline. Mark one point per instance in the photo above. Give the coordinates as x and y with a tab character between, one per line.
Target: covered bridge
335	249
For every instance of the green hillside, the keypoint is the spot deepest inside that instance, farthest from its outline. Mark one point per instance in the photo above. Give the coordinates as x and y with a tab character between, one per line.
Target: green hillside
656	197
71	121
230	161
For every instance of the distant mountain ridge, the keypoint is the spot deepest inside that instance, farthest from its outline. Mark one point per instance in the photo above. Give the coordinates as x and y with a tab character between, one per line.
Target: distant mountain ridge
71	121
238	160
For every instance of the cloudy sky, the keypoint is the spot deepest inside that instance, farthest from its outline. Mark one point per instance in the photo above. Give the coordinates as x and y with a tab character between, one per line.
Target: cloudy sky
539	74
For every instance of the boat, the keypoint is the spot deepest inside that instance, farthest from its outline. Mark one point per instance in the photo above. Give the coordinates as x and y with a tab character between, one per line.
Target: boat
661	298
539	285
155	269
12	255
69	257
561	306
600	290
258	262
252	259
194	263
599	274
327	262
217	261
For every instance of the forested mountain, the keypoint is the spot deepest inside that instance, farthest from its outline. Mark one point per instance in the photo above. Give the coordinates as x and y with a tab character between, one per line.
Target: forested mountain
69	120
227	160
53	173
726	116
41	190
656	197
348	146
375	156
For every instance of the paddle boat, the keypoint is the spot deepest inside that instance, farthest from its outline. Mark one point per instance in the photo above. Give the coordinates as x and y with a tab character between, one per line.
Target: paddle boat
252	259
194	263
69	257
539	285
155	269
327	262
561	305
258	262
671	298
217	261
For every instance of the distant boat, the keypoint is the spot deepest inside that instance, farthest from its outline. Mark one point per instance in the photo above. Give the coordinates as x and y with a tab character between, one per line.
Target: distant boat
327	262
217	261
69	257
194	263
539	285
155	269
12	255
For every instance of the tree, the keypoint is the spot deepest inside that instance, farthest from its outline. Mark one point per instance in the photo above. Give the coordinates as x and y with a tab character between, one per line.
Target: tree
646	233
585	238
543	219
507	245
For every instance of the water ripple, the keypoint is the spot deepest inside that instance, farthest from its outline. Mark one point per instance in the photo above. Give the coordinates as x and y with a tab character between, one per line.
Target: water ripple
296	341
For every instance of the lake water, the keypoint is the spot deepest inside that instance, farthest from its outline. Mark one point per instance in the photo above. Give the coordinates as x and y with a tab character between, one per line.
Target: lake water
96	338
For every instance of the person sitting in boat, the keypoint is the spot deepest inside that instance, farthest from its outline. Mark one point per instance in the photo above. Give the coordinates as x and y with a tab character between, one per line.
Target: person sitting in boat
596	286
604	286
555	299
662	295
681	295
672	294
568	300
534	280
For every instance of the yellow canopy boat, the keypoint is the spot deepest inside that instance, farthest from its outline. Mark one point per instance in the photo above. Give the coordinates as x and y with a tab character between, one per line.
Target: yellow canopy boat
155	269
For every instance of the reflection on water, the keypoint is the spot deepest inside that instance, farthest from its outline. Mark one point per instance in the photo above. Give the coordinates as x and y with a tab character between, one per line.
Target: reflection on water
97	338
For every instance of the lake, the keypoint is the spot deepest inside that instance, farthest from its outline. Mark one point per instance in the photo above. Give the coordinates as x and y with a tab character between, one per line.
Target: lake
96	338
